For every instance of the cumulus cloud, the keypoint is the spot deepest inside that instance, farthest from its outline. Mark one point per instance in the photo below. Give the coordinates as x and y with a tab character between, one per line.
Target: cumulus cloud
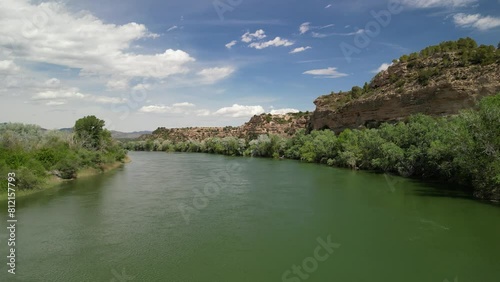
257	35
303	28
283	111
211	75
51	33
184	104
276	42
142	87
58	94
118	84
158	109
176	108
237	111
61	96
8	66
476	21
422	4
202	113
55	103
300	49
382	67
231	44
53	82
326	73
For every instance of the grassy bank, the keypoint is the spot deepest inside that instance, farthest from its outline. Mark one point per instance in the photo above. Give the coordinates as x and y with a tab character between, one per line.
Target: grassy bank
41	159
464	149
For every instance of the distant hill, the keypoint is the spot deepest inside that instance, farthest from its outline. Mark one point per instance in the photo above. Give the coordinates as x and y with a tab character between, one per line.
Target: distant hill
115	134
128	135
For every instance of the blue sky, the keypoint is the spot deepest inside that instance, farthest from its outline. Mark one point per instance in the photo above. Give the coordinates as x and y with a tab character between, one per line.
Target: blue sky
150	63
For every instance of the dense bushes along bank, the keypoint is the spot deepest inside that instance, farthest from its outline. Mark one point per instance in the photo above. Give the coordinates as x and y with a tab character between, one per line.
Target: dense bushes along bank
34	154
464	149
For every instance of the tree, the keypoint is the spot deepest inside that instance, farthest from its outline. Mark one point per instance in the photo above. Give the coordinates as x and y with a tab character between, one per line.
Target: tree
356	91
366	88
90	132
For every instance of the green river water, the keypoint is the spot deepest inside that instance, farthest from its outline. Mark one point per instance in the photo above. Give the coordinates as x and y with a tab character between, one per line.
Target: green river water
198	217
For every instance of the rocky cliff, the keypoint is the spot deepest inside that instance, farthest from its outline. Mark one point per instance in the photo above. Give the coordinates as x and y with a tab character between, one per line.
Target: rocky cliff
283	125
438	81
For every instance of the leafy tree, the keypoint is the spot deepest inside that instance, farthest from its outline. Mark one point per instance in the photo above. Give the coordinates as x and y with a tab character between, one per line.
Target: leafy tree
356	92
90	132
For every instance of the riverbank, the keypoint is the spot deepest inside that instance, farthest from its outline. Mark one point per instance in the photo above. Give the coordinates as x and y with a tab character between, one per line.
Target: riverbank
53	181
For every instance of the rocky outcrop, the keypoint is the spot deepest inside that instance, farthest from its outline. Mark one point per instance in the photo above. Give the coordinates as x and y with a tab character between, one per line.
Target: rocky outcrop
402	90
283	125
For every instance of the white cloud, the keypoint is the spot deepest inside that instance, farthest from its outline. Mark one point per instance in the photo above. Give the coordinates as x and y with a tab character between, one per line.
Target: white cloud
476	21
326	26
118	84
52	83
319	35
142	87
328	6
82	41
172	28
184	104
55	103
323	35
202	113
61	96
276	42
304	27
382	67
8	66
326	73
240	111
158	109
177	108
212	75
300	49
437	3
58	94
257	35
231	44
105	99
283	111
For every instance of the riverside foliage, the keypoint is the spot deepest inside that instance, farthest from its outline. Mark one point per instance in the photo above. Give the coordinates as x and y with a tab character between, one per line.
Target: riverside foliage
464	149
34	154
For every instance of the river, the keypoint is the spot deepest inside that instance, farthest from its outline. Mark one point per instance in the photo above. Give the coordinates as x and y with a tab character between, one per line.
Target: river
200	217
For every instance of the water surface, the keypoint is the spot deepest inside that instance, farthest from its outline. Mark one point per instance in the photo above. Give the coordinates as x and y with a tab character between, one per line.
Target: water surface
151	220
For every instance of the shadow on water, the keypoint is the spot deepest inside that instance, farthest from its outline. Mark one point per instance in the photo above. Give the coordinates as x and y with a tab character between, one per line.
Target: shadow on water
441	189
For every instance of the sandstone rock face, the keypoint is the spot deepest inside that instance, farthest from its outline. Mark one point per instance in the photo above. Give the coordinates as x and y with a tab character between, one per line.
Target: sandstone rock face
283	125
397	94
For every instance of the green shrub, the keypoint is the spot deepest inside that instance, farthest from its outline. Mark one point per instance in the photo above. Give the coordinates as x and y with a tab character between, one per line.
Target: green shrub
27	179
67	168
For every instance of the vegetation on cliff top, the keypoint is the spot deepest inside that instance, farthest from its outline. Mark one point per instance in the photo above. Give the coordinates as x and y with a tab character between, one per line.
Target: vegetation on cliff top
464	149
418	69
34	154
